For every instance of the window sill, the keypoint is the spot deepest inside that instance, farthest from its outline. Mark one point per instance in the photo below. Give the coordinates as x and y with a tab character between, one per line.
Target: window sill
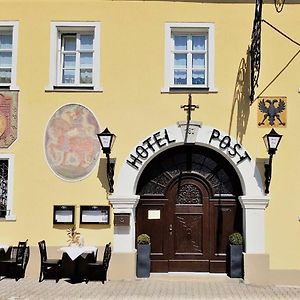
64	89
9	88
8	218
185	90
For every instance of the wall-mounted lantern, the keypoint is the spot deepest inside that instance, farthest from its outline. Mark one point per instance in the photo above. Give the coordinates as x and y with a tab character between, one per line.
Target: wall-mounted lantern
107	139
272	140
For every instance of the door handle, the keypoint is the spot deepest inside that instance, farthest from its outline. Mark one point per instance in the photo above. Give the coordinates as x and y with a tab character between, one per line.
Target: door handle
170	229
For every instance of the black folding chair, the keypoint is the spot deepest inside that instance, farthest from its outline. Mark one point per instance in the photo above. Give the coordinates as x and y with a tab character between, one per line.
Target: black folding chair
49	267
15	265
98	270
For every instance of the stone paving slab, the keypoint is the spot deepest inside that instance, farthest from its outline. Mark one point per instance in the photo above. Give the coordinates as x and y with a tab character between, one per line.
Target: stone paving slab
155	288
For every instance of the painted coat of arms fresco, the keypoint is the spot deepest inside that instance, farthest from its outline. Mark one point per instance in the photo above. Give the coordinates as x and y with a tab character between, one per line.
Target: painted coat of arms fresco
71	145
272	111
8	118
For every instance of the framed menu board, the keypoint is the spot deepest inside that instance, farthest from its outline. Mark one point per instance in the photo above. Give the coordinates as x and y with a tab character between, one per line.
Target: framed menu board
94	214
63	214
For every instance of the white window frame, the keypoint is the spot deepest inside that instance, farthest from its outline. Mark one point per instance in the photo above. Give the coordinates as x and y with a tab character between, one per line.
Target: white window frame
58	28
12	26
189	28
10	216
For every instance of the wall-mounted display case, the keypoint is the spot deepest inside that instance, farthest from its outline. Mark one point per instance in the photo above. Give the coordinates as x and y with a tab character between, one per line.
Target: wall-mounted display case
63	214
94	214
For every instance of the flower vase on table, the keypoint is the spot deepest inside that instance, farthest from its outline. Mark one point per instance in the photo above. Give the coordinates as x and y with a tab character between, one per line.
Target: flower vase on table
74	236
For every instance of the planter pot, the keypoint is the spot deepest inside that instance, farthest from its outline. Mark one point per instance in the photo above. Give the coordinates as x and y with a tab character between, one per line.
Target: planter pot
235	264
143	261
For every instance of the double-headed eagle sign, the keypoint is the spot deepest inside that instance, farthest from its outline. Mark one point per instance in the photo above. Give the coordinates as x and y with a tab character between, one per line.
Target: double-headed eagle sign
271	110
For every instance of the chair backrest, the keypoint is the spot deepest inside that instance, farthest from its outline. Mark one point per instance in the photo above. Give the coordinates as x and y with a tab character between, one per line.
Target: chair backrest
20	255
43	250
26	258
8	252
106	256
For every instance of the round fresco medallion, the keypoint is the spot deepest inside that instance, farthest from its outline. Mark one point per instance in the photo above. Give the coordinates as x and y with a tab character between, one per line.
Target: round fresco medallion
71	144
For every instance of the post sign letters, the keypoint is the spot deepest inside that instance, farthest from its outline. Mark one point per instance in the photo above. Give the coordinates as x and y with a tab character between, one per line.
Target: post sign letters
232	149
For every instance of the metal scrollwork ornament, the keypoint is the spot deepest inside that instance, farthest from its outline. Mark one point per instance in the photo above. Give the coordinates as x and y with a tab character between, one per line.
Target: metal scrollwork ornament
279	5
255	50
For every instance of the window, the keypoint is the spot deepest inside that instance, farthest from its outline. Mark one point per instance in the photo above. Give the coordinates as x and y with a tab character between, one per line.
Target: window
6	185
8	54
74	58
189	57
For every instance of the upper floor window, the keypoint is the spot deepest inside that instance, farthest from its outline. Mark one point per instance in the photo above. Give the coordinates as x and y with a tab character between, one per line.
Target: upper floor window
75	52
189	57
8	54
6	186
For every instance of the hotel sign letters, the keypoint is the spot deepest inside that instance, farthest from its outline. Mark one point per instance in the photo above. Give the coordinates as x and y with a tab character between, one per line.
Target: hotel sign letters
150	145
162	139
233	150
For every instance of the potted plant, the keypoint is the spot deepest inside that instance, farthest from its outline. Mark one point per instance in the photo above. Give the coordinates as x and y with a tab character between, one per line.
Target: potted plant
235	255
143	256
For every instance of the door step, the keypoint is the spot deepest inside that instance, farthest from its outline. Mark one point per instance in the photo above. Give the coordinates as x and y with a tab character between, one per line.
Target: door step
193	276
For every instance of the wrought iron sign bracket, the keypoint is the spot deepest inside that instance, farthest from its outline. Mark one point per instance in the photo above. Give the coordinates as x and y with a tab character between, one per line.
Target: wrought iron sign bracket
255	49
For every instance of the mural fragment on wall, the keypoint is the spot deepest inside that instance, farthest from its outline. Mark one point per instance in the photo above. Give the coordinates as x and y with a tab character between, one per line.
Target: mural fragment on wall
71	145
8	118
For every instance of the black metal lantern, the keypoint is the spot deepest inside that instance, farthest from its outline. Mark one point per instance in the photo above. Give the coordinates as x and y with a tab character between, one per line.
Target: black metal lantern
272	140
107	139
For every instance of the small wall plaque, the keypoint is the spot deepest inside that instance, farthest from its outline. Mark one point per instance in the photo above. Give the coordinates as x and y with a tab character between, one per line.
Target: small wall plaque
153	214
271	112
94	214
122	220
63	214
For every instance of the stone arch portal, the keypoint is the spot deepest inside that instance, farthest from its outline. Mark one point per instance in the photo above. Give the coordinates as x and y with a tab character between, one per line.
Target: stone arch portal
252	199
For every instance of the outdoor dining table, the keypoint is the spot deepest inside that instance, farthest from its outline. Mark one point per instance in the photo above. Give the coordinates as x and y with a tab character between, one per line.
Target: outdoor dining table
74	261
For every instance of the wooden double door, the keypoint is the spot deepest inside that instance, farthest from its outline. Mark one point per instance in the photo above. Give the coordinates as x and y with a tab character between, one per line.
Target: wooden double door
188	227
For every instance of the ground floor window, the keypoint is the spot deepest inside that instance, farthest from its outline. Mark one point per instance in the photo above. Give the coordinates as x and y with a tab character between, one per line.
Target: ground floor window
6	178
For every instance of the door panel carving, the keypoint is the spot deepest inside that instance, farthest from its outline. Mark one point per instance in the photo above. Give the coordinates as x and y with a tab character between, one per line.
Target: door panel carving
189	239
189	194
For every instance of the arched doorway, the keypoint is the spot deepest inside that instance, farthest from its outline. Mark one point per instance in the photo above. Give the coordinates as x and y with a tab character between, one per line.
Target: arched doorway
189	205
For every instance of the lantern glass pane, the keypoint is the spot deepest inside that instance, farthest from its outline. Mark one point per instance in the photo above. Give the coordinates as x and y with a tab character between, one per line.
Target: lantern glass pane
105	141
265	138
273	141
113	138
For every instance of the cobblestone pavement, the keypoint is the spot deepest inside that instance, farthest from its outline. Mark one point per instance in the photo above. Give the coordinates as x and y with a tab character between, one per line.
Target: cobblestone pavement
163	287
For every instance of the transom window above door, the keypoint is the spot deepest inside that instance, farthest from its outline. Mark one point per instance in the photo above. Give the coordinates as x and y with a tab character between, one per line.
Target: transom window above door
189	57
75	56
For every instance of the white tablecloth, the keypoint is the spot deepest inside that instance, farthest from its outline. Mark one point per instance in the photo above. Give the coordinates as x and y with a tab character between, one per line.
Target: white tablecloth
75	251
5	247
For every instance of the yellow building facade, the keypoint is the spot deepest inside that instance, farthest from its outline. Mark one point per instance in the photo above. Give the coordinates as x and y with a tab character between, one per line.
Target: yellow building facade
69	69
